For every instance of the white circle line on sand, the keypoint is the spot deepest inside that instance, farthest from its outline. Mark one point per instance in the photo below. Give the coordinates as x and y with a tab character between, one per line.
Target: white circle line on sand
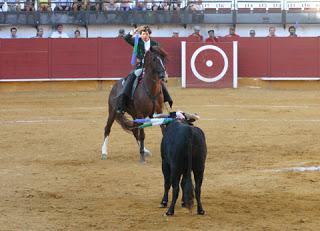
248	106
55	108
298	169
38	121
256	106
176	106
261	120
30	121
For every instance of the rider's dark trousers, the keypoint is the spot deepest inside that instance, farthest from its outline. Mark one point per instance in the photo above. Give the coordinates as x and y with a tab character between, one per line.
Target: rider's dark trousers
128	84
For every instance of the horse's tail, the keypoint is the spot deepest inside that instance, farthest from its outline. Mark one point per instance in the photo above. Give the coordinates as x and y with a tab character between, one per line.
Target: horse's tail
188	186
125	123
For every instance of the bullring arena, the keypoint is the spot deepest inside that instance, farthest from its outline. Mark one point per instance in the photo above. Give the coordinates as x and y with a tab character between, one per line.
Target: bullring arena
52	176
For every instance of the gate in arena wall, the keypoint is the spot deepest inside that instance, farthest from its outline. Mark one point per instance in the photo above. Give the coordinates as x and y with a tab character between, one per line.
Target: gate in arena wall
208	65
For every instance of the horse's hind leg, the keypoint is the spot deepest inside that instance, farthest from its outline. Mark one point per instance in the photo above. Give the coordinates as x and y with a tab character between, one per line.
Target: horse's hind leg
107	129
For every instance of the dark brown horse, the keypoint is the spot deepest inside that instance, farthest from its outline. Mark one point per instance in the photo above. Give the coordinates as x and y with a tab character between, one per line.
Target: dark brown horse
147	100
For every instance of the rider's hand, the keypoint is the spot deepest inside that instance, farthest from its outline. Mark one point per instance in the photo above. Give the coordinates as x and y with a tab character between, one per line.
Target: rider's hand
135	31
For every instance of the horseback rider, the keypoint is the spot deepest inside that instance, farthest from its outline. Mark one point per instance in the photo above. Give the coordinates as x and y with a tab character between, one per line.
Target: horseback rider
144	45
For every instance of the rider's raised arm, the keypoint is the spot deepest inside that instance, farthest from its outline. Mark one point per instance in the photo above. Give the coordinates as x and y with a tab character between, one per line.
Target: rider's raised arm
129	38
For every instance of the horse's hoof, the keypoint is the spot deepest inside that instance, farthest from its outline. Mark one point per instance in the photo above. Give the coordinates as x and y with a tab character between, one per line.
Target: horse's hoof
147	153
103	156
163	205
169	213
142	161
183	205
201	212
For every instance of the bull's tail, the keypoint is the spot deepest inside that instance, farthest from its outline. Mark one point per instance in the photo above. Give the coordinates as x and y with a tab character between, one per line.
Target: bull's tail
125	123
188	186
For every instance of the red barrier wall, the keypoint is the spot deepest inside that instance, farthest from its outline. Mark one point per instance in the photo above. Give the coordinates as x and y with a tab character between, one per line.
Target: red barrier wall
294	57
24	58
110	57
278	57
74	59
253	57
114	57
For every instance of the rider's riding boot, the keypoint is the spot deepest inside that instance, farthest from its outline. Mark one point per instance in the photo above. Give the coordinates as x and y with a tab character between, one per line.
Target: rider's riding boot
126	90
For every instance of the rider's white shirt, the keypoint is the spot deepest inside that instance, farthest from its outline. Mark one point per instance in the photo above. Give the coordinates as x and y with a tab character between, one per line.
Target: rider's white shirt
147	45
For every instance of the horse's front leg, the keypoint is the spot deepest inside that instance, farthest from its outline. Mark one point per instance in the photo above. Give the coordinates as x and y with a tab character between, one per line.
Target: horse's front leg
141	143
107	130
140	135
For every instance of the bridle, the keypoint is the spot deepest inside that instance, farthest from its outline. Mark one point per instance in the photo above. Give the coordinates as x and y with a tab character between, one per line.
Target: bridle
162	75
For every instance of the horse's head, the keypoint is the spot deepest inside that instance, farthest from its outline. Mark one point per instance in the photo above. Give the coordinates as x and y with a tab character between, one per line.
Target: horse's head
155	60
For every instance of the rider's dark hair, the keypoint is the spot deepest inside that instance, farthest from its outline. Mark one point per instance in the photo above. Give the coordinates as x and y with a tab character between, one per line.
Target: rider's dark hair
146	29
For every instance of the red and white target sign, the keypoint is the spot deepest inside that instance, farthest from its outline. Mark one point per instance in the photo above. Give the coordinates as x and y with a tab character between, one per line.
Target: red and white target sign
209	65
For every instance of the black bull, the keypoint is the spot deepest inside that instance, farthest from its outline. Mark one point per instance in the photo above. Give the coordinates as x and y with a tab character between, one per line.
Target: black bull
183	149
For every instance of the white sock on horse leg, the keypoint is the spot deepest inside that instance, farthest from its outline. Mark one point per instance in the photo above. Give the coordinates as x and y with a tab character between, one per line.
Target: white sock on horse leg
105	146
146	151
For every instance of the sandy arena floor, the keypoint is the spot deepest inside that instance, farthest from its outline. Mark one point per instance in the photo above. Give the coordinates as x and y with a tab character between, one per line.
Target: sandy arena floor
52	177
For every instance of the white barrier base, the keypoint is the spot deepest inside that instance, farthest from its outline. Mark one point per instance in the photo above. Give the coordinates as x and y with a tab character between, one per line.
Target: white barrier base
57	79
290	78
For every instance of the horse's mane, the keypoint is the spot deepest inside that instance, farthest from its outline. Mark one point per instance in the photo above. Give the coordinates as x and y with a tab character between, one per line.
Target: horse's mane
159	51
